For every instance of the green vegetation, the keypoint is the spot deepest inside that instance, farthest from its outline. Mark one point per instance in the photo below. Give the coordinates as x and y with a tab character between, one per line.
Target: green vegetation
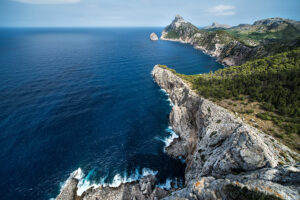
236	192
287	33
172	34
273	81
181	31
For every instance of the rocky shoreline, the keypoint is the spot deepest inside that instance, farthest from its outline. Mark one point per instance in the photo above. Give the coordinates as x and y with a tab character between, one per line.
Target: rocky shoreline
227	49
217	51
225	157
229	54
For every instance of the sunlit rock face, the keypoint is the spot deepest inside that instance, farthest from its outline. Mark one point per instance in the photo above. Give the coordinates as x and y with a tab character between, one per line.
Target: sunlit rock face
153	36
222	152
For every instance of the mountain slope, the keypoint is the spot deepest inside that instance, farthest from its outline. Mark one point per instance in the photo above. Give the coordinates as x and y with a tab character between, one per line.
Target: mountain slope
273	82
239	44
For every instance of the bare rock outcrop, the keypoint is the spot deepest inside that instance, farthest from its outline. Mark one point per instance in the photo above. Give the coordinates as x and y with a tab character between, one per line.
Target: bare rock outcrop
226	48
225	158
220	148
153	36
144	189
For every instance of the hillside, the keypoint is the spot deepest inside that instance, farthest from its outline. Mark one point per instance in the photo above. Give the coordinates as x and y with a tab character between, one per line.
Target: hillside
226	158
267	89
276	29
236	45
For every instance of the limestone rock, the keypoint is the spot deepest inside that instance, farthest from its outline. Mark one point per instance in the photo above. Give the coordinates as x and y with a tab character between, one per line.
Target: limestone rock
69	189
153	36
219	148
255	184
144	189
225	157
225	48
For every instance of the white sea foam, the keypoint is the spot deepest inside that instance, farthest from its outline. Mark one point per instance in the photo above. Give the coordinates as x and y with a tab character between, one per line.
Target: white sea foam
85	183
169	100
169	184
147	172
164	91
78	174
170	138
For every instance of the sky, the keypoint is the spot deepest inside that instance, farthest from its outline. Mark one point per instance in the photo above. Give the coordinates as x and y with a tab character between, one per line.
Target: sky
140	13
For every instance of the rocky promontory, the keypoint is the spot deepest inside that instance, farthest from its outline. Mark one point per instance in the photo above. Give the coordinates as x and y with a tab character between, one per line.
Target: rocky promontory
224	155
226	45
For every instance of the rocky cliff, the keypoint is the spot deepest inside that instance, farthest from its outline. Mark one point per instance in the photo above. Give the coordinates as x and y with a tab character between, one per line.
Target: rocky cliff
222	152
225	157
236	45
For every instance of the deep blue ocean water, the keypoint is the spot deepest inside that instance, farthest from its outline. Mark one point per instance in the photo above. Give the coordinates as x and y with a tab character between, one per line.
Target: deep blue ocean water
85	98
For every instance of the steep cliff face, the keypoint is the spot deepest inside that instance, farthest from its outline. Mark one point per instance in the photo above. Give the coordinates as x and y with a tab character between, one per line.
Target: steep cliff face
225	48
230	47
225	158
220	149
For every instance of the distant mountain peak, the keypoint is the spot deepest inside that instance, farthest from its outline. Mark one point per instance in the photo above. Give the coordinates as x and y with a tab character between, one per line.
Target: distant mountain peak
178	20
217	25
178	17
269	21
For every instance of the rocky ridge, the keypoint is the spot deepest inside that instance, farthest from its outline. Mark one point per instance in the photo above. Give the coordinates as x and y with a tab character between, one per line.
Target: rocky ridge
227	48
222	152
216	25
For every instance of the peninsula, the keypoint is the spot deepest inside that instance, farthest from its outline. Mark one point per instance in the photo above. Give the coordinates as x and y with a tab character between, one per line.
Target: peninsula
218	118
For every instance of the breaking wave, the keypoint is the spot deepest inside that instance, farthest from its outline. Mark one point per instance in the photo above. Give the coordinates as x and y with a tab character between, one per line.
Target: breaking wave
86	183
169	100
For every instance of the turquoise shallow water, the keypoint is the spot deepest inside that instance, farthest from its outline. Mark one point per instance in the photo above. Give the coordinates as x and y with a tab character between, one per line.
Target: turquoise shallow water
85	98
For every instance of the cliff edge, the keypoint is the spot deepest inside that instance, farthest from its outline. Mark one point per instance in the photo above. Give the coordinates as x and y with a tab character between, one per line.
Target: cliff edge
225	157
222	152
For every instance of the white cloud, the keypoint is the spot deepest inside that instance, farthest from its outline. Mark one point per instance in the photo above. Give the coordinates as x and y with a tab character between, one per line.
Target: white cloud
222	10
48	1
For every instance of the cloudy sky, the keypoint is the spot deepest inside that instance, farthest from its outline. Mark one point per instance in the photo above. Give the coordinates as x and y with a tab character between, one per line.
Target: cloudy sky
86	13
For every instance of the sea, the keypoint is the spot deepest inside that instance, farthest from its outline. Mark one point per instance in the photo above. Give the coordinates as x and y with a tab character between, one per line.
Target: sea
84	99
